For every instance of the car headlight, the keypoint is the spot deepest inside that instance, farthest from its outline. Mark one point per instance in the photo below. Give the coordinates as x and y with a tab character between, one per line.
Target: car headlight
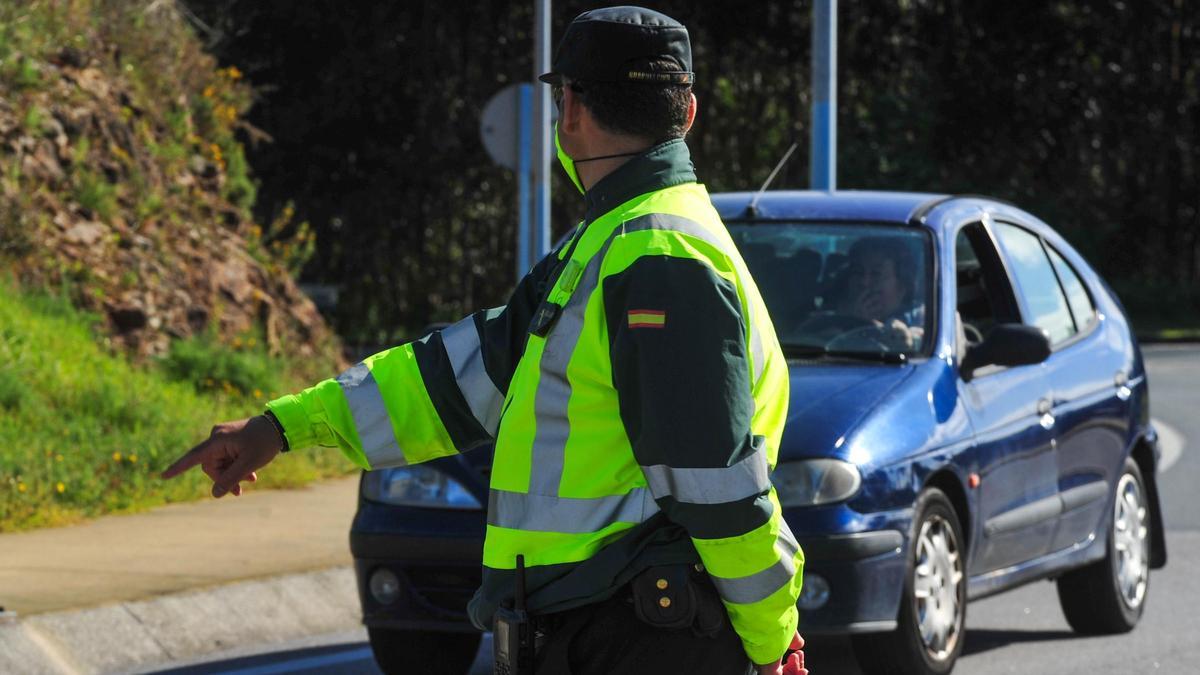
815	481
417	486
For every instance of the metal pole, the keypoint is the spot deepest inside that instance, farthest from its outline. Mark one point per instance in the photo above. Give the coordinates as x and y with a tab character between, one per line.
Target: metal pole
541	132
524	160
823	150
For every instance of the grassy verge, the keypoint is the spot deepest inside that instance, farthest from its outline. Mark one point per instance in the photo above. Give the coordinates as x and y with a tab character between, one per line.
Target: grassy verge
1170	335
84	432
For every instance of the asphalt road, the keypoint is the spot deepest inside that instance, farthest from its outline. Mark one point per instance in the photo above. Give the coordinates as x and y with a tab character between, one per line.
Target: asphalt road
1022	631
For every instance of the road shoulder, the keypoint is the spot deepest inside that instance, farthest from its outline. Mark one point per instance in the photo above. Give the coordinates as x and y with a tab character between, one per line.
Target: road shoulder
125	636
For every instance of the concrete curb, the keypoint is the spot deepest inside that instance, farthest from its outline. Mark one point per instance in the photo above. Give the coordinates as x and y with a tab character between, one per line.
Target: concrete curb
139	634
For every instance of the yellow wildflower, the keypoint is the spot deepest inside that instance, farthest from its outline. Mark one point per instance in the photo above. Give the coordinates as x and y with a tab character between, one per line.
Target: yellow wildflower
116	456
250	342
60	487
210	91
58	458
258	393
21	487
133	459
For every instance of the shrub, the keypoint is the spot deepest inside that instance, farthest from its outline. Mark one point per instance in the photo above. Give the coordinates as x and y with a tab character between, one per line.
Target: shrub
210	366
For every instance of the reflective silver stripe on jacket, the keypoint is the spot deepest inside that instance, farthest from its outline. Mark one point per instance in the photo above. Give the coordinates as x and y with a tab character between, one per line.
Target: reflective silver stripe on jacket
544	513
461	341
747	478
371	419
554	388
760	585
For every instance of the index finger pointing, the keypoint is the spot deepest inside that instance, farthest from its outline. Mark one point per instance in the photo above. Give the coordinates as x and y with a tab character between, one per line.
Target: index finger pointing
190	459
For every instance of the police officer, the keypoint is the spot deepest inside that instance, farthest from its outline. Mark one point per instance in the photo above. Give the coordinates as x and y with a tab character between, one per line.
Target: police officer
633	388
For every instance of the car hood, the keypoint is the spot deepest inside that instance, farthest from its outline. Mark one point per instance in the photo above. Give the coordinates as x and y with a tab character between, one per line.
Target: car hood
829	400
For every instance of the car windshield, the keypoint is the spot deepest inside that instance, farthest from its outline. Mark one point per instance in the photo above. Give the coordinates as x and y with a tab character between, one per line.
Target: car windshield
842	289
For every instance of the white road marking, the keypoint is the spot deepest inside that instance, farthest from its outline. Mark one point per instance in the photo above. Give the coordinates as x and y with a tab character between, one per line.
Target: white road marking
1171	441
311	663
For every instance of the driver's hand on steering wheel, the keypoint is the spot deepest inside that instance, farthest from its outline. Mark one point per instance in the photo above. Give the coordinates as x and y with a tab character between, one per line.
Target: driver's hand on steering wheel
899	334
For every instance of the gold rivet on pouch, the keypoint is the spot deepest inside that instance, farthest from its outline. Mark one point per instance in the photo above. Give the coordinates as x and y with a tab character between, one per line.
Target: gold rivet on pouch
664	602
662	584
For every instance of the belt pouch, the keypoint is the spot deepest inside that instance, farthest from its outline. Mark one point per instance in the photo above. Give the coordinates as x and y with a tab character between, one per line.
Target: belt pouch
663	597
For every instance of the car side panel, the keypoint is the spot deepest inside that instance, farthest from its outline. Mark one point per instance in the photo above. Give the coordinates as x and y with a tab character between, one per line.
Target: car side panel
1092	421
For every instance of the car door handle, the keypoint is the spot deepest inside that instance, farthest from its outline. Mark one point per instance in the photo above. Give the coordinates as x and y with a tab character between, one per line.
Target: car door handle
1047	418
1121	382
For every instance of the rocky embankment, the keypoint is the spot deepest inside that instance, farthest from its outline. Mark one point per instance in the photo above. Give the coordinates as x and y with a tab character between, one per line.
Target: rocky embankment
139	207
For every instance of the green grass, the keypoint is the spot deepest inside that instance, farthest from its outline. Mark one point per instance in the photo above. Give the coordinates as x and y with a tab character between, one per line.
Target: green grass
84	432
1156	335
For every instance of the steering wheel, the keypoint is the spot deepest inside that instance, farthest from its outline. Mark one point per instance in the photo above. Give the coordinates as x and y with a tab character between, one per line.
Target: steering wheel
974	336
846	332
869	335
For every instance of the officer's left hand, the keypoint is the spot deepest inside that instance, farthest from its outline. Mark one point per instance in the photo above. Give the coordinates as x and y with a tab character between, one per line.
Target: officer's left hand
792	665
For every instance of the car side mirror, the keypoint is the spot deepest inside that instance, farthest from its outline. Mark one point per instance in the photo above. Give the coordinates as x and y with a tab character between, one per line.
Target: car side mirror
1008	344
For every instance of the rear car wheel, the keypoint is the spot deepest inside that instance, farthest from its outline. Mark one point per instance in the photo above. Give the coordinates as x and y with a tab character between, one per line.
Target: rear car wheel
1109	595
933	609
401	652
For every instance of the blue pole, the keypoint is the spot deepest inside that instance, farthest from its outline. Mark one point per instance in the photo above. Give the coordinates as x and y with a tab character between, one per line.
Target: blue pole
524	166
542	142
823	150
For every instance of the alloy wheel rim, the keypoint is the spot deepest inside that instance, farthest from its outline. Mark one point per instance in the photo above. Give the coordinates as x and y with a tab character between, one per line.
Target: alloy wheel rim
1131	541
937	577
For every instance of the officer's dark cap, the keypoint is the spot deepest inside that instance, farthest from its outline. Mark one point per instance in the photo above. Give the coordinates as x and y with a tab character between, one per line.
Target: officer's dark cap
616	44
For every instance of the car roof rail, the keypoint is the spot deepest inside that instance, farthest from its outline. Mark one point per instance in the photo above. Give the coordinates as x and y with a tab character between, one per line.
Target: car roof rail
917	217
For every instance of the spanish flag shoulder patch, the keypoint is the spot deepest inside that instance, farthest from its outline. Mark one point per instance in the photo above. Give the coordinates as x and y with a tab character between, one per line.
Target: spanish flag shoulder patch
647	318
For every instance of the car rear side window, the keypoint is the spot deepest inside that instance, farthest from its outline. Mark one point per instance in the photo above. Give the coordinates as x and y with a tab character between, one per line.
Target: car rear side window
1044	299
1077	296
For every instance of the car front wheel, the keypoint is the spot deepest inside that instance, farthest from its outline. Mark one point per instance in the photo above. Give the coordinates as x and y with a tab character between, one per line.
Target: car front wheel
401	652
933	609
1109	595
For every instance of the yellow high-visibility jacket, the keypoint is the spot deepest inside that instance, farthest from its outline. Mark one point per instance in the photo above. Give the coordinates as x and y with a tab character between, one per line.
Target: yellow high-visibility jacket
636	394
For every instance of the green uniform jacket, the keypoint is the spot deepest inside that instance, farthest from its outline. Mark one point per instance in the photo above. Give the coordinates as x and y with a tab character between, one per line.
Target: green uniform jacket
636	394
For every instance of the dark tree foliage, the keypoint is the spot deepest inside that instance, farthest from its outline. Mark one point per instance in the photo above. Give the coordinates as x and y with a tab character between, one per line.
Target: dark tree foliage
1085	112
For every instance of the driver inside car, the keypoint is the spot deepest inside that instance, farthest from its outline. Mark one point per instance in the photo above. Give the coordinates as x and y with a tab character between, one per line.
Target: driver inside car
872	303
880	287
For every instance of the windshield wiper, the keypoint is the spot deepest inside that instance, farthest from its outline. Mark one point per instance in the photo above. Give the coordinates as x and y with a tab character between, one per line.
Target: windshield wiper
814	351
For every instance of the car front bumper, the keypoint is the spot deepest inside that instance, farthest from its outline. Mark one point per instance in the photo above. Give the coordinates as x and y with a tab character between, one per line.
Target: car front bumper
435	557
864	573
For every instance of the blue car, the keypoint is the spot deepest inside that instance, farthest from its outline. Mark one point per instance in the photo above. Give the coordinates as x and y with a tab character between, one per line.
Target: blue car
969	413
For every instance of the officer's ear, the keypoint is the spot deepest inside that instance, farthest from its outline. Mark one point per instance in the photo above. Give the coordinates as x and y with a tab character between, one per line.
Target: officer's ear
570	118
691	114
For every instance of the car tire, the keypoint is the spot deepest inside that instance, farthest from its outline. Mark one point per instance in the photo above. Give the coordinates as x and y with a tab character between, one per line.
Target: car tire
402	652
1109	595
933	608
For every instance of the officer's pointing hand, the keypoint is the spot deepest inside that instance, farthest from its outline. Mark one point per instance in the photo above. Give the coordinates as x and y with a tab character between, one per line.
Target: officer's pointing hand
232	453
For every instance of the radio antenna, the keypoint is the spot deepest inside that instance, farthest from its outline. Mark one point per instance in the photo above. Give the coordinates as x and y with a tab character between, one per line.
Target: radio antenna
752	208
520	595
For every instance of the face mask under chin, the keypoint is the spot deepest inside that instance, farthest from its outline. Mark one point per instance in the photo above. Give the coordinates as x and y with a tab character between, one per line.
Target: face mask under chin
568	164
